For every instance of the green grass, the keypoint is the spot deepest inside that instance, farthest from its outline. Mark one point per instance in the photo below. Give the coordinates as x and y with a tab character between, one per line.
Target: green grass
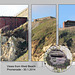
46	29
67	37
43	29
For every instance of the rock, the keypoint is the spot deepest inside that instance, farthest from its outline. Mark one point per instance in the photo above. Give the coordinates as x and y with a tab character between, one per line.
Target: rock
41	57
11	49
46	47
8	50
4	29
74	55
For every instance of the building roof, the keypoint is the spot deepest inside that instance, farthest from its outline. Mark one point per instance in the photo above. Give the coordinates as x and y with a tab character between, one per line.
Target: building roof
69	21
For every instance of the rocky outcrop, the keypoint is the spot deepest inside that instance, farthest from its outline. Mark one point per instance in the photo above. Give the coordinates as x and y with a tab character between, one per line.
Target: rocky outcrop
4	29
10	50
43	36
14	43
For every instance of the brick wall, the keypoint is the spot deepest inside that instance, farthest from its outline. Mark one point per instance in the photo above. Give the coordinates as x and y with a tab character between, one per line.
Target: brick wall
63	24
68	23
12	21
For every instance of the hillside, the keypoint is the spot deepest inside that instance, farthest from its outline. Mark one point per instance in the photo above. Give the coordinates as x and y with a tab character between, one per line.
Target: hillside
23	57
67	38
43	36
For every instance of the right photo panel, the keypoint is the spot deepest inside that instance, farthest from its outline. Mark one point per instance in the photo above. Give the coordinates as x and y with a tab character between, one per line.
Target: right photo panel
67	27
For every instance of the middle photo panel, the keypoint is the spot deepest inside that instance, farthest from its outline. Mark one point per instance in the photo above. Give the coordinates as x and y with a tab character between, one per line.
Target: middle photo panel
43	30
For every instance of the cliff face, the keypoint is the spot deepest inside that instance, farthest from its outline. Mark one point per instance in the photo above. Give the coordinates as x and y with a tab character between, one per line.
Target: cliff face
14	43
14	37
67	38
43	36
8	50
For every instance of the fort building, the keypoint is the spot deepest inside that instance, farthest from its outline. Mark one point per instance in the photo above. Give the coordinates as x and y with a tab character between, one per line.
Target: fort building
68	23
13	22
39	19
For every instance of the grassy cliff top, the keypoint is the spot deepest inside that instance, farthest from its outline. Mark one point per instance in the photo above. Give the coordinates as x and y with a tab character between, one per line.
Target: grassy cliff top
45	28
67	37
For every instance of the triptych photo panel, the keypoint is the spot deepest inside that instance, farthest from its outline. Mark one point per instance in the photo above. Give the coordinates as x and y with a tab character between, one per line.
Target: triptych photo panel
14	39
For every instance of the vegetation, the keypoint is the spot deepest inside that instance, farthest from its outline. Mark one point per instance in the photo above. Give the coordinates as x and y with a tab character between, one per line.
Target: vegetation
44	29
43	34
67	38
24	57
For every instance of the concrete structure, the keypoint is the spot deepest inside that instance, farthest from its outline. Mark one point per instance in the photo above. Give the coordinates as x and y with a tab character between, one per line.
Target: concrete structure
57	58
12	22
50	17
68	23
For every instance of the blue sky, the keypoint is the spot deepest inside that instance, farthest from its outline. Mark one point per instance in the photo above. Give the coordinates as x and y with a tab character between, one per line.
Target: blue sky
11	10
66	12
39	11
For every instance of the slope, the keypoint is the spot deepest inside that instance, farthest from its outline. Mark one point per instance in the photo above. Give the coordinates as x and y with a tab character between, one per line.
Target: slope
43	35
67	38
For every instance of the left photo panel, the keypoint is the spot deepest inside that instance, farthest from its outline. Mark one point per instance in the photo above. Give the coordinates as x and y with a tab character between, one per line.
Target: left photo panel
14	32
